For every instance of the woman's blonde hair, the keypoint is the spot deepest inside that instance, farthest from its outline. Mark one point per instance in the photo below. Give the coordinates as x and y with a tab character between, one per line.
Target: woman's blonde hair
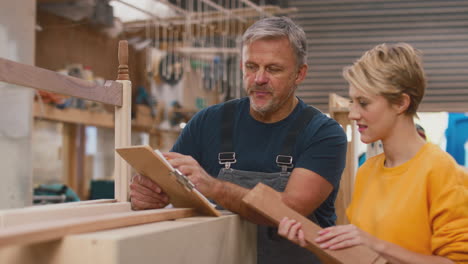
390	71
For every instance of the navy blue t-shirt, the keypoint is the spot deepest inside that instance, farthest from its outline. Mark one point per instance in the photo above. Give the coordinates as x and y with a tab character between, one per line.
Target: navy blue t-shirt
321	147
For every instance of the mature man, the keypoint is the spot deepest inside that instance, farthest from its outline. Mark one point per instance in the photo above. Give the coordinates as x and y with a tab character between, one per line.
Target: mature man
271	136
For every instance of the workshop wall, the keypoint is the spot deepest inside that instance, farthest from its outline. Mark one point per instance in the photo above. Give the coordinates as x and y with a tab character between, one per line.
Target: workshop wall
61	42
338	32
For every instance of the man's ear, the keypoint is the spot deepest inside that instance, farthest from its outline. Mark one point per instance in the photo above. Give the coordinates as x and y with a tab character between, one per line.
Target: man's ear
301	74
403	104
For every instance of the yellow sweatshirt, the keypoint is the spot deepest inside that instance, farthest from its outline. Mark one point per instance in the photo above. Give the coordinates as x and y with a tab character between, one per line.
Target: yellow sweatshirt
421	205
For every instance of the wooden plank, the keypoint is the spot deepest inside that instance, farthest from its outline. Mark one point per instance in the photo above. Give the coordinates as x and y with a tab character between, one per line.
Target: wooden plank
146	162
268	202
79	203
43	213
90	118
50	207
73	115
339	110
122	137
209	240
98	201
52	230
42	79
123	125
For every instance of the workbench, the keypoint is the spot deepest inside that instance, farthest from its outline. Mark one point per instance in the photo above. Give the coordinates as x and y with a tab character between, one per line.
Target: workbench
208	240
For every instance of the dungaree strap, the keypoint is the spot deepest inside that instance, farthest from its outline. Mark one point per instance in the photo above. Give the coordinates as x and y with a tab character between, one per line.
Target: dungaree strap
285	159
227	156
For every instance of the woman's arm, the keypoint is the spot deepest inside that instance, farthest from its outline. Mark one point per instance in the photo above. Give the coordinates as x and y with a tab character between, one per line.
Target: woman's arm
344	236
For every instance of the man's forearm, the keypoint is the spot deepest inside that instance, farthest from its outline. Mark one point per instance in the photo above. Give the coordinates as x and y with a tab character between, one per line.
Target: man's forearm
229	196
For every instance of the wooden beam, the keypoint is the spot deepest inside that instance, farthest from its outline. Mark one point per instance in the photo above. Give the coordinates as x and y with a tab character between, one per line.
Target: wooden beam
42	79
338	108
92	118
268	202
123	125
208	240
52	230
73	115
53	212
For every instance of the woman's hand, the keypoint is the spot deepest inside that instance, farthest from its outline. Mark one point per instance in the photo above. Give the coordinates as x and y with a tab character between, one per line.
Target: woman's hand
344	236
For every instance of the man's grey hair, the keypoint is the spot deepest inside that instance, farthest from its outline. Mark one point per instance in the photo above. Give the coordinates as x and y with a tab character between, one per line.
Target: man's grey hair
279	27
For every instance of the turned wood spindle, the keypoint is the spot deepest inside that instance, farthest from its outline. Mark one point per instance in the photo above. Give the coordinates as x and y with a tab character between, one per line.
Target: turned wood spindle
123	61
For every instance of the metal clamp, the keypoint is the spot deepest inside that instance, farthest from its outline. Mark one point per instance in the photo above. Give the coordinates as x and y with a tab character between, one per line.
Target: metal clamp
227	158
182	179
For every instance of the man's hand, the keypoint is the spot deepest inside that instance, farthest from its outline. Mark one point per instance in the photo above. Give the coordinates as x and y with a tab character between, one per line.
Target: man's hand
145	194
189	167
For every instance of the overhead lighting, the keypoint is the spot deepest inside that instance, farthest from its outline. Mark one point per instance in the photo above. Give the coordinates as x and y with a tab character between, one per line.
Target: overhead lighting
143	44
127	14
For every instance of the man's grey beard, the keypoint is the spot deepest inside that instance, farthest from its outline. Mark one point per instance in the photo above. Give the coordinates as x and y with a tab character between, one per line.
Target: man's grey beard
270	107
260	110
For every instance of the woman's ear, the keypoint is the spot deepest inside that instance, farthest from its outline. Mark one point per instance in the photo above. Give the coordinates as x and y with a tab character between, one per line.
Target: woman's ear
403	104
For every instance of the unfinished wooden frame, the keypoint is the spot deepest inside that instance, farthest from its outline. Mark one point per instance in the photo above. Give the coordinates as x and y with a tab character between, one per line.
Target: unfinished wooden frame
117	93
49	222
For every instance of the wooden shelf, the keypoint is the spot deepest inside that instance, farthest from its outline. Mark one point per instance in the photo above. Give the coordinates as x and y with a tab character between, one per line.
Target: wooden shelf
89	118
73	115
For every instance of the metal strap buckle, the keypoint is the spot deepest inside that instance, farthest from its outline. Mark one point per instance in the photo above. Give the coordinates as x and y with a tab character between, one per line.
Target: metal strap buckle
284	162
227	158
182	179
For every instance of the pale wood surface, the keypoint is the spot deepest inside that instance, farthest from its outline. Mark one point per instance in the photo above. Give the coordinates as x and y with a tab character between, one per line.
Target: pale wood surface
70	204
338	107
145	161
268	202
209	240
122	137
123	125
42	79
52	230
43	213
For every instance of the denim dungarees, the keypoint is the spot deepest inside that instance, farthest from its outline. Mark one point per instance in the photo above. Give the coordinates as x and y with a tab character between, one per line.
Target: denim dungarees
271	248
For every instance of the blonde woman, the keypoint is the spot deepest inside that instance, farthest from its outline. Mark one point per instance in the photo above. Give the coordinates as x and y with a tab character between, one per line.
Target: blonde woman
410	203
